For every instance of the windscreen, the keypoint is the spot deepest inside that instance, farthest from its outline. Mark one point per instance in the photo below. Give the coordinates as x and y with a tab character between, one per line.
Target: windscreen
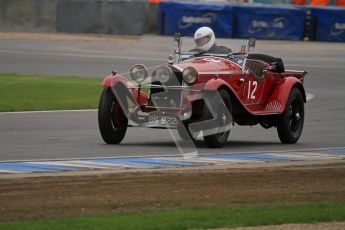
189	48
188	43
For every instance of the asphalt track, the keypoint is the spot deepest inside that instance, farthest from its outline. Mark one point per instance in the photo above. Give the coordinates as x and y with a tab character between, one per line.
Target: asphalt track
74	134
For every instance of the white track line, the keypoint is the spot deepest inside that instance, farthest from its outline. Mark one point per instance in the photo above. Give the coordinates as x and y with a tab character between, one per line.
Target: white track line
48	111
309	96
222	160
76	164
89	55
12	171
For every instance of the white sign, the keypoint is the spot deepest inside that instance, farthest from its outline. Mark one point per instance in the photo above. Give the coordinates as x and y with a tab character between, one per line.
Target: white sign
337	28
258	25
187	21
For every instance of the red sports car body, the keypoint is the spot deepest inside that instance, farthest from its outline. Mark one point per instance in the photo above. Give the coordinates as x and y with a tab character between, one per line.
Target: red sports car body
241	88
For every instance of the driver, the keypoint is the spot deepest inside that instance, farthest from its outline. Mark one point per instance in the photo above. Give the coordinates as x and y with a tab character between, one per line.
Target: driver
205	42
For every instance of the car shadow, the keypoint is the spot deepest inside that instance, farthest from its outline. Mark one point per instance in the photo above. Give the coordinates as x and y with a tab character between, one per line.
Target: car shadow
234	143
151	144
202	145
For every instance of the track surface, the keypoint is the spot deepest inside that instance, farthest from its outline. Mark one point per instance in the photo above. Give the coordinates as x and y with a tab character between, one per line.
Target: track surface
75	134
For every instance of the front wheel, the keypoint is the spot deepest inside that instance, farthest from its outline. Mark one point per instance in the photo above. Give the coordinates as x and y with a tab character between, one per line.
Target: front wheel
221	122
112	121
183	131
290	123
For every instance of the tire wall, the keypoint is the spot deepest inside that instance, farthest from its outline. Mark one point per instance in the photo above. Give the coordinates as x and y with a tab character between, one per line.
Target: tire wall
74	16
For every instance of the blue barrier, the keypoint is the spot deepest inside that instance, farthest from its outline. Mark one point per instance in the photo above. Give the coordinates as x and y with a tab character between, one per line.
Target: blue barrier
328	24
286	23
259	21
186	18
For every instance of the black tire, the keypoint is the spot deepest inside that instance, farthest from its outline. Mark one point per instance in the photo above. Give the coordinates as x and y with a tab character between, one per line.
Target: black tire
112	121
290	123
185	135
217	140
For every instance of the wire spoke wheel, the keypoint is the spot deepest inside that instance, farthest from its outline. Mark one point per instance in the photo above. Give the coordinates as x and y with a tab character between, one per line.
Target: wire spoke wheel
294	116
222	120
290	123
112	121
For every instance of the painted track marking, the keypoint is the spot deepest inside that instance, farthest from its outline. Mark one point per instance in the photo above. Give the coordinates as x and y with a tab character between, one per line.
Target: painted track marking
330	150
309	96
169	161
48	111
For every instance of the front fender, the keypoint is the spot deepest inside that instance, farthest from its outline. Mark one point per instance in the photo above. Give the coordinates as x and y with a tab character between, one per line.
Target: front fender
282	91
215	84
114	80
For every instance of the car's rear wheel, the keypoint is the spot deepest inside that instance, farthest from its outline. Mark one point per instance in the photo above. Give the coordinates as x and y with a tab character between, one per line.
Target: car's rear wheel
222	121
290	123
112	121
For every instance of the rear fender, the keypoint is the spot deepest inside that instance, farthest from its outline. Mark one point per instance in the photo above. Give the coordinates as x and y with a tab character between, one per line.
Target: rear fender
280	95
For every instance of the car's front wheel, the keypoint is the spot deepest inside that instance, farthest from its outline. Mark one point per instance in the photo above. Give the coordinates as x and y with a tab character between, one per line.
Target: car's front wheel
184	132
290	123
222	120
112	121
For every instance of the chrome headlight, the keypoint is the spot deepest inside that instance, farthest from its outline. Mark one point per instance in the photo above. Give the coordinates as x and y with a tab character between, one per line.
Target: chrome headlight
190	75
139	73
163	74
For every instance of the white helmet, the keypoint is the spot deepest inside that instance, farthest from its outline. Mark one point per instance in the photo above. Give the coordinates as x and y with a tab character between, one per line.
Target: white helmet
204	38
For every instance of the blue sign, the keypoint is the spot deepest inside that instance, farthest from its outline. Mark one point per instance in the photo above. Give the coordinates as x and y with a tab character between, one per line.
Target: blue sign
186	18
286	23
328	24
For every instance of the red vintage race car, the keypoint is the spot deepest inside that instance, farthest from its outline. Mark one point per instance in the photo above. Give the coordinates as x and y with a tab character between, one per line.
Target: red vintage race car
205	94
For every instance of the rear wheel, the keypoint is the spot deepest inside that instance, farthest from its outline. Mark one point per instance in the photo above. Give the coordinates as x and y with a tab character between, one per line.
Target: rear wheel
112	121
222	120
290	123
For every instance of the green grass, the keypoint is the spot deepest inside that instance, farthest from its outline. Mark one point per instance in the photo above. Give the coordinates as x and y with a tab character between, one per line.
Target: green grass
197	218
23	93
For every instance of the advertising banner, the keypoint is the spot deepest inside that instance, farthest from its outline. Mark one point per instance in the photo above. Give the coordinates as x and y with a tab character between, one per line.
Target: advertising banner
328	24
186	18
263	22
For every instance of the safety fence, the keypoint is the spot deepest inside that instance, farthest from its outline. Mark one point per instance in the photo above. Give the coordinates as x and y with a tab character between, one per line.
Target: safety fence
259	21
28	15
75	16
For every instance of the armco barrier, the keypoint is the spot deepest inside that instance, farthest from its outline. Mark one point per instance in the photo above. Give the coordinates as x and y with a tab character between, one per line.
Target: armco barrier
102	16
263	22
328	24
188	17
27	15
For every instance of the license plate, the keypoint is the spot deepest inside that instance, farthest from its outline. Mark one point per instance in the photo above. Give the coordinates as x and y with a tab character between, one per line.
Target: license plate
162	120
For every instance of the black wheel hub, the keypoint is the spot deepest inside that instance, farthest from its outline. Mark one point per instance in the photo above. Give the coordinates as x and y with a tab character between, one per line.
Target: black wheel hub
116	113
294	116
223	120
